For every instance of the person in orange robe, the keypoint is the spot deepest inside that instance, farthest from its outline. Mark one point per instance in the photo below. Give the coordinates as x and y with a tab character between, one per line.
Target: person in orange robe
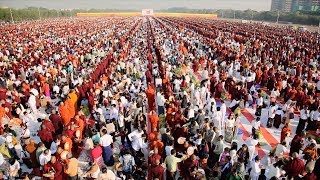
79	125
285	130
154	119
153	135
65	115
151	97
70	107
2	113
157	143
66	143
74	99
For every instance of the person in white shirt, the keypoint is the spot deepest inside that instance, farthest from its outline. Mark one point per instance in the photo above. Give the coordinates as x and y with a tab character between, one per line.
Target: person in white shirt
256	126
273	171
251	143
256	170
136	139
14	167
160	102
25	136
114	114
271	114
105	141
107	174
168	148
223	109
54	146
281	149
278	117
304	115
45	157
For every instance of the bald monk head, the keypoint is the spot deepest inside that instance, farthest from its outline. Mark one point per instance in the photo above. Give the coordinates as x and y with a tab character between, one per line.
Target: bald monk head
157	162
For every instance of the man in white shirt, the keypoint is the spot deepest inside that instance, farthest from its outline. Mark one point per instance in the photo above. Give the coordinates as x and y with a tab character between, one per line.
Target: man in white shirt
256	170
160	102
105	142
271	114
304	115
281	149
136	139
259	105
44	157
114	112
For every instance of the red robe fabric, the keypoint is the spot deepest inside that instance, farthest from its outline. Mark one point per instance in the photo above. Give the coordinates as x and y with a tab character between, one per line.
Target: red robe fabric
294	167
45	135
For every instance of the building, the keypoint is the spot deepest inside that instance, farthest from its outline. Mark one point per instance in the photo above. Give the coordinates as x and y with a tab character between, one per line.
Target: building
295	5
281	5
306	5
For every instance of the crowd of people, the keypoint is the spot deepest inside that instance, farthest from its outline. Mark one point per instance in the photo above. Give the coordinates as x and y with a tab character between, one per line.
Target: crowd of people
157	98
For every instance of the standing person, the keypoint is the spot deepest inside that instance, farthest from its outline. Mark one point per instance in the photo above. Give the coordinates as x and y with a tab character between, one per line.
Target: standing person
106	141
128	163
259	105
278	118
272	114
256	170
71	168
218	119
229	128
223	109
172	164
304	115
297	143
256	127
14	168
219	147
157	171
160	102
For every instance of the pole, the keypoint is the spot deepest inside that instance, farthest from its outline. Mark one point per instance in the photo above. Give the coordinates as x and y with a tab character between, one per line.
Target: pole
278	17
234	14
39	13
222	13
12	21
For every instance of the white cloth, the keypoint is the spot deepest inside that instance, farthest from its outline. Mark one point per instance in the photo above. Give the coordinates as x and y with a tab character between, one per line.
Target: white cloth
280	150
44	159
273	172
255	171
304	114
106	140
136	139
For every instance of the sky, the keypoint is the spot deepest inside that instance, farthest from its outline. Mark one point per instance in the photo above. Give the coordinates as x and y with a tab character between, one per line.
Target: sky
259	5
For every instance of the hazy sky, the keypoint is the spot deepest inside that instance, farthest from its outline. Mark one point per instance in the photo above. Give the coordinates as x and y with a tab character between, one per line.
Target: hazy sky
259	5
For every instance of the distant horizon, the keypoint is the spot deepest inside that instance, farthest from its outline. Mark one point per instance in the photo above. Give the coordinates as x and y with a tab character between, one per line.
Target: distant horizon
258	5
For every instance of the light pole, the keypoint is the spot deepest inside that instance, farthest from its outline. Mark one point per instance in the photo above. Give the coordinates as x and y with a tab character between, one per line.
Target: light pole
278	17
